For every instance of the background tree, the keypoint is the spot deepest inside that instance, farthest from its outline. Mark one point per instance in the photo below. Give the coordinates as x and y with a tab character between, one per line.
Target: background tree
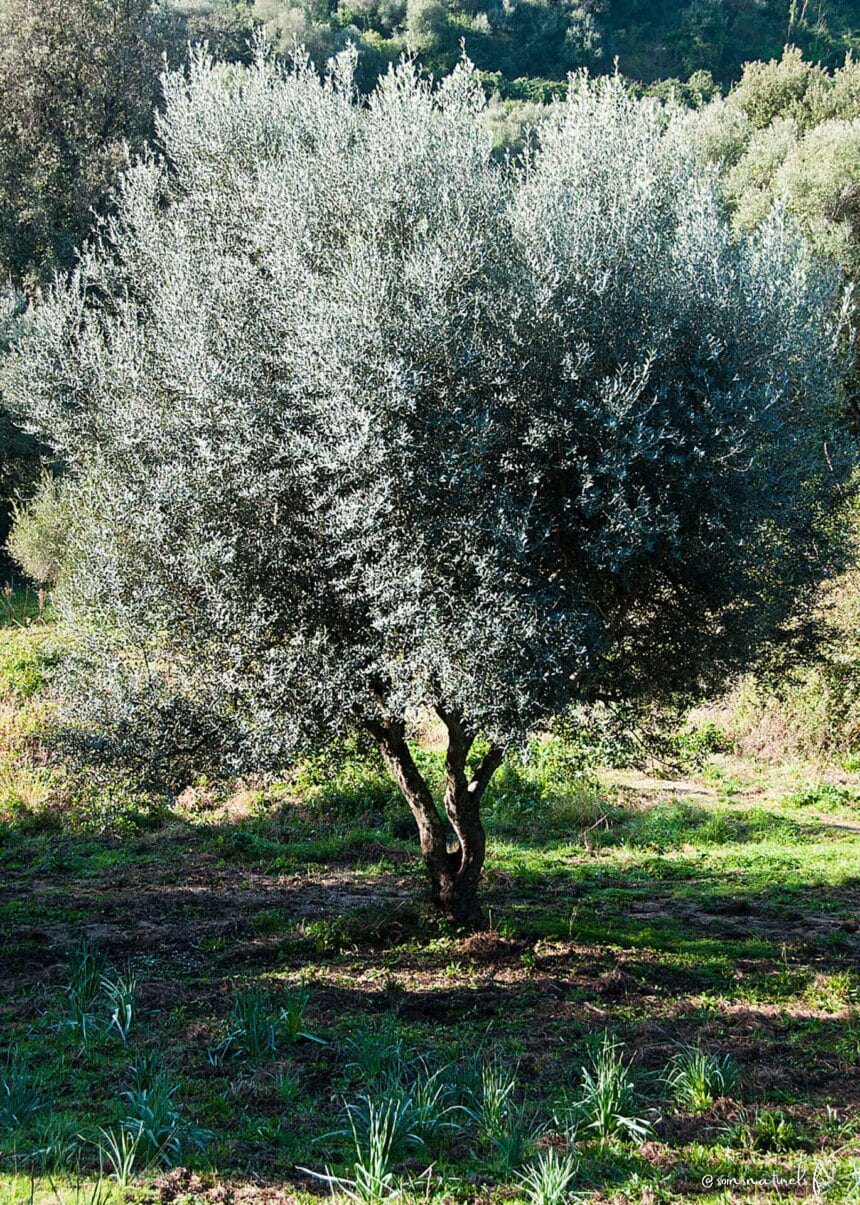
20	453
789	134
361	422
427	27
78	80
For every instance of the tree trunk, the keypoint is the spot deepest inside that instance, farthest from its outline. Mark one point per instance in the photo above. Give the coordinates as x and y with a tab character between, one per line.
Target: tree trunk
454	873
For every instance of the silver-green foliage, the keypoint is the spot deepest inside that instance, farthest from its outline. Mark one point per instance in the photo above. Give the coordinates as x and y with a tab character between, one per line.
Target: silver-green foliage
357	415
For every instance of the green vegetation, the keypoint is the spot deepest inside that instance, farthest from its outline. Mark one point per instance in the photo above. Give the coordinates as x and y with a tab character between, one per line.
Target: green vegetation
666	996
439	443
646	497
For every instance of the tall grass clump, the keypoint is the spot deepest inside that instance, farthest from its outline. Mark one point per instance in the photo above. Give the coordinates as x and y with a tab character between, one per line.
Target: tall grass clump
375	1132
86	975
505	1125
548	789
20	1095
421	1106
695	1079
606	1106
548	1179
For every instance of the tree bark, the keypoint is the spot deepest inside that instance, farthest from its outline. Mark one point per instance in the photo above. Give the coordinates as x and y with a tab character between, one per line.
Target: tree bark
454	873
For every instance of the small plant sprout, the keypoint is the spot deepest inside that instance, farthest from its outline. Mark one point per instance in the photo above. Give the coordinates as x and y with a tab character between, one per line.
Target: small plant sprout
288	1084
548	1179
373	1181
292	1015
119	1149
607	1101
19	1095
254	1022
216	1055
258	1027
695	1078
84	987
120	991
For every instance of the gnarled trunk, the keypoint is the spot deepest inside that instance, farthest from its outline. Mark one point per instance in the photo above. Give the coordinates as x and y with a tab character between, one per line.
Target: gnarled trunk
454	873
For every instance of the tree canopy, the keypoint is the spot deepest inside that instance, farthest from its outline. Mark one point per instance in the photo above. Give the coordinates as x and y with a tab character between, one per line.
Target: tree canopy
361	421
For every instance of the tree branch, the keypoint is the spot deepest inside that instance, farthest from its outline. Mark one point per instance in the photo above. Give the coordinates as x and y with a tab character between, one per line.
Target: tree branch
487	767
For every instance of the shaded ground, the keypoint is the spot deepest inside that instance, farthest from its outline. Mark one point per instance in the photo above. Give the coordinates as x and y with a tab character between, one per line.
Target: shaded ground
691	915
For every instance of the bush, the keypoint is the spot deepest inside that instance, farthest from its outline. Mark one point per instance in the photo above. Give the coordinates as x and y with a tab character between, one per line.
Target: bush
41	532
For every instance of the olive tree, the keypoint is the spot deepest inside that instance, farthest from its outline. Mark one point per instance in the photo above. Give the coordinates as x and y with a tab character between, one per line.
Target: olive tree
363	424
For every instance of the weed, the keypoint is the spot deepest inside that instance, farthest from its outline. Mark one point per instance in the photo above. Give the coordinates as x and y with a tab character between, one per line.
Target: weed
695	1079
86	975
19	1095
60	1145
607	1101
547	790
548	1180
767	1130
288	1086
119	1149
120	992
695	743
773	1131
824	795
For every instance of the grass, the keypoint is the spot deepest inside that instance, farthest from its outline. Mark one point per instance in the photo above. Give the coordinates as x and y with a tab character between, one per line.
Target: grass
696	1078
607	1102
207	997
548	1180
